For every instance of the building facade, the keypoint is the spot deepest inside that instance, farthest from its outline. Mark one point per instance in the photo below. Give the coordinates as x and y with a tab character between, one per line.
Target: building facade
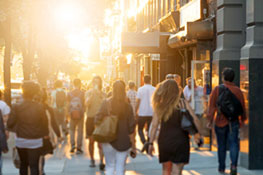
198	38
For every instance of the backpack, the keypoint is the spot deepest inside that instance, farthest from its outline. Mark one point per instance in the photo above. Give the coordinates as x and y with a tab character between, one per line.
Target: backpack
60	99
228	104
76	107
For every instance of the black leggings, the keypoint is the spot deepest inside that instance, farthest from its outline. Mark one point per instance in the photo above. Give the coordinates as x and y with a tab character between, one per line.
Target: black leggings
29	158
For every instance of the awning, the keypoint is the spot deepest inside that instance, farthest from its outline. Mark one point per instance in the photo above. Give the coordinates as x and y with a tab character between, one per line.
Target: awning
135	42
179	40
198	30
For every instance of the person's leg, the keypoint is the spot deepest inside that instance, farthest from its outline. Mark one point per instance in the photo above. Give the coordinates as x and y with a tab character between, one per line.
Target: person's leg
91	149
234	144
177	168
110	158
80	134
167	168
148	121
33	160
102	166
72	134
141	123
121	158
23	170
221	135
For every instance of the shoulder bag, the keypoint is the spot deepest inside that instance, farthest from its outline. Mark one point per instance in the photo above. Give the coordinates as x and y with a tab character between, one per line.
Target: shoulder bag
106	130
187	122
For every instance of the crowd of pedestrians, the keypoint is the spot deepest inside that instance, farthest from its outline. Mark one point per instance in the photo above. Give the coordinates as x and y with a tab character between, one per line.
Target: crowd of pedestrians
166	113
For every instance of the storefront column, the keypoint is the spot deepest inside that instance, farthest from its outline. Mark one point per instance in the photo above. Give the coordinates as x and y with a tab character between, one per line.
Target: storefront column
252	85
230	36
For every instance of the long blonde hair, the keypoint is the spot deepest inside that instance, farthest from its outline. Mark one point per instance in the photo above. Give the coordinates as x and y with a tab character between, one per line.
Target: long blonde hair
165	99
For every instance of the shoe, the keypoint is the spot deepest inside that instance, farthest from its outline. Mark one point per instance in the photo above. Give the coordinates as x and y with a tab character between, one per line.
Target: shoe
233	170
72	150
79	151
92	164
102	167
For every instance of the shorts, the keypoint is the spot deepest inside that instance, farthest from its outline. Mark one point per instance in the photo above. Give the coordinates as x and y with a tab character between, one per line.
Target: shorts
90	126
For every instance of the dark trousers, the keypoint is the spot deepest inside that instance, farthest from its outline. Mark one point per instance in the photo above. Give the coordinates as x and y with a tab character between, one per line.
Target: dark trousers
230	135
141	124
29	158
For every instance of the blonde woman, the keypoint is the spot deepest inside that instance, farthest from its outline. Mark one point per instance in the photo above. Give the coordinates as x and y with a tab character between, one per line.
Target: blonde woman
173	141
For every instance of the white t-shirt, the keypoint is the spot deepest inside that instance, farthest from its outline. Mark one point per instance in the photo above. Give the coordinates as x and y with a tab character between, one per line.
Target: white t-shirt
145	95
5	109
187	93
199	105
198	96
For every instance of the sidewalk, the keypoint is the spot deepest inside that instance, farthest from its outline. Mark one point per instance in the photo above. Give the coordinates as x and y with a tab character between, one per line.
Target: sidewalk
62	163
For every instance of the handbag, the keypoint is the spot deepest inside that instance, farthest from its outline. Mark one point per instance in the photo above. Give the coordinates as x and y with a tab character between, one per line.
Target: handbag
187	123
106	131
47	147
15	158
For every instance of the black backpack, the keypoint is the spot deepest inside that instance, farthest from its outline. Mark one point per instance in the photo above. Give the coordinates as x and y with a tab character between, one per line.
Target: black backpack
228	104
60	99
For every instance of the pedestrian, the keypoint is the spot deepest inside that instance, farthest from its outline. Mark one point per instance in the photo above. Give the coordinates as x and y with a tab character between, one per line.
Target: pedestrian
30	123
4	113
187	90
173	141
94	99
76	99
52	125
131	94
59	102
198	102
144	111
116	152
227	127
169	77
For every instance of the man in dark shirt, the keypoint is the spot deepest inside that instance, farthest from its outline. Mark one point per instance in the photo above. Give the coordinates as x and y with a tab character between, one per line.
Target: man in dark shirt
76	100
226	131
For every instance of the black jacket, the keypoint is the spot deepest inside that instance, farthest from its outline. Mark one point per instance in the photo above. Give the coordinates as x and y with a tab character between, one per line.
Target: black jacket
28	120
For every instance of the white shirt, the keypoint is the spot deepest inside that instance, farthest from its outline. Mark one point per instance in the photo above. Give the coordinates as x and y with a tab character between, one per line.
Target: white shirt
145	95
187	93
53	96
5	109
198	97
199	105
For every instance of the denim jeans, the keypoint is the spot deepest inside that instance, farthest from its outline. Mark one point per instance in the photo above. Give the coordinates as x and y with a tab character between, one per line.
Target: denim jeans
230	135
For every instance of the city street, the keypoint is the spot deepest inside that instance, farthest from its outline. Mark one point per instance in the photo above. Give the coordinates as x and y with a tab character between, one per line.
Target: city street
64	163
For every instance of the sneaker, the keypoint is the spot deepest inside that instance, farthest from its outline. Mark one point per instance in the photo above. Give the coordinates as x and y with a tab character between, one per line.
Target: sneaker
92	164
102	167
233	170
72	150
79	151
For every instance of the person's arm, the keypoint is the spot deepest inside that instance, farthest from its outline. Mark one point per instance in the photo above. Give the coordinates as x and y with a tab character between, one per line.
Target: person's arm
212	106
53	121
132	133
155	124
12	120
88	98
195	118
103	111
